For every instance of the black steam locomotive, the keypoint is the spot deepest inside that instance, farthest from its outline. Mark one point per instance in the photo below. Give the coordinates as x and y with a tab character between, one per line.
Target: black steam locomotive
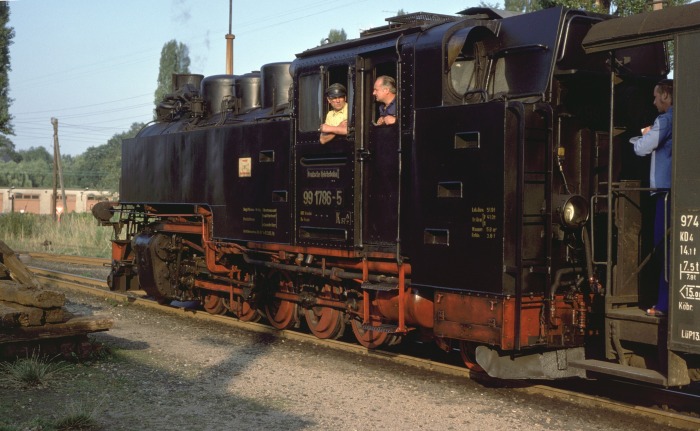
504	214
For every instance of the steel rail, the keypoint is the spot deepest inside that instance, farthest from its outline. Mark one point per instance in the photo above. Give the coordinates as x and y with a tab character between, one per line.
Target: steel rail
96	287
78	260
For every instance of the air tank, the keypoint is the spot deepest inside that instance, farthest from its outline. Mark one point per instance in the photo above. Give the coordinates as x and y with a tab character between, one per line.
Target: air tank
248	87
216	90
276	81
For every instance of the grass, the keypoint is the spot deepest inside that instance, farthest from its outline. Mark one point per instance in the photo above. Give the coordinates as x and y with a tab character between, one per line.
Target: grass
79	416
30	378
78	419
86	396
76	234
31	371
33	390
29	400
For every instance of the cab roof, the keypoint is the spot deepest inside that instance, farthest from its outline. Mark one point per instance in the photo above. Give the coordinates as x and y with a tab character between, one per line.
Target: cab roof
643	28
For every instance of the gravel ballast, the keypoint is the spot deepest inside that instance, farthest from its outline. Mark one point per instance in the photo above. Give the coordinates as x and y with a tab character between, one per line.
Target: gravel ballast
170	372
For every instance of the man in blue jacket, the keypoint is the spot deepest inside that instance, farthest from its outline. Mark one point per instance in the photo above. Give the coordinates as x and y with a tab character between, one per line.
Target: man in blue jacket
656	140
384	91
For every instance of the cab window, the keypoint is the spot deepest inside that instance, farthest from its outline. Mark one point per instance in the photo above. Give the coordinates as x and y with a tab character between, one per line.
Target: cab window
311	102
467	61
386	69
339	75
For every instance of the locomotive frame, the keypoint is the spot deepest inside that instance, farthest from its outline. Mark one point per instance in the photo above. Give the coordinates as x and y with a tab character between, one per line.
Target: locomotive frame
475	221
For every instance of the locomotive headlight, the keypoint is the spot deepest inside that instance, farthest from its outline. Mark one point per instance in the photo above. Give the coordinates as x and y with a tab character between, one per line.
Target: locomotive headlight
573	211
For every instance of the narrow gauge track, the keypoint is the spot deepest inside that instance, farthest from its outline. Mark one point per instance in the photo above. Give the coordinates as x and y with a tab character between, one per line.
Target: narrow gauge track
577	391
77	260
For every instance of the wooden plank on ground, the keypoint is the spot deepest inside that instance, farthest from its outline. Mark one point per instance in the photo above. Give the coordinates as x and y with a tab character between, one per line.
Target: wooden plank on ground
30	296
18	271
31	316
54	315
74	326
9	317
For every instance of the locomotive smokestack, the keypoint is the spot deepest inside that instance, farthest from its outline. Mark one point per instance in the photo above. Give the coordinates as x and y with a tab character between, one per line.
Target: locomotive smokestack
229	41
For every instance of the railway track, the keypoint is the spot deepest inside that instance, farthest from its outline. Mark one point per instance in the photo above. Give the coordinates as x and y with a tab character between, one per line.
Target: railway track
76	260
656	404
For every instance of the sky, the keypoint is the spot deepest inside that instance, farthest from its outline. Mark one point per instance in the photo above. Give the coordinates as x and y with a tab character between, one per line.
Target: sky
93	64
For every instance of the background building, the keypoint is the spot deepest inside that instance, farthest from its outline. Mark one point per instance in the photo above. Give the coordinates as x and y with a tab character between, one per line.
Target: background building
38	201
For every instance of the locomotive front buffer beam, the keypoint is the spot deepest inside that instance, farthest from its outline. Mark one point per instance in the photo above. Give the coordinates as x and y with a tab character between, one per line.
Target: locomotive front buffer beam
486	324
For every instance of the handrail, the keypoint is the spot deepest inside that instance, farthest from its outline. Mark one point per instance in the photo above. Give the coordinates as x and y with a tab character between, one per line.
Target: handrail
623	191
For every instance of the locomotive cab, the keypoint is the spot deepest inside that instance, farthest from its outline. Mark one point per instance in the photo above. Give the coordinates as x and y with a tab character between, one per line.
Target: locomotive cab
660	350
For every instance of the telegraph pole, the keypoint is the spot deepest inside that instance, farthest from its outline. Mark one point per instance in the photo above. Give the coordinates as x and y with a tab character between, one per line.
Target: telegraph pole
57	169
54	196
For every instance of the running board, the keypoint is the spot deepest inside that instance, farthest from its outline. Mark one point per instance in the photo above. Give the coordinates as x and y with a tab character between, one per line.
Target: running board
619	370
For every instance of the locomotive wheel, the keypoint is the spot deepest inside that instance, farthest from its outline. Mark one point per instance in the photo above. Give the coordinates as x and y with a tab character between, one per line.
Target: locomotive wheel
370	339
468	352
243	310
281	314
214	304
325	322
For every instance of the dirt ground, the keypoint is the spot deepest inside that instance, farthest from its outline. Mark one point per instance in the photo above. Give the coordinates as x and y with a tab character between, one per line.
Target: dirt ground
167	372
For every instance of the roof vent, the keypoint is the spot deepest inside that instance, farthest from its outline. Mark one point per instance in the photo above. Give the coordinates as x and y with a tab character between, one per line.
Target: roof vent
420	18
409	20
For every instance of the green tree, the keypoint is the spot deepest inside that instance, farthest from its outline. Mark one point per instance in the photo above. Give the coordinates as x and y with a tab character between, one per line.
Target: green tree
36	153
36	173
6	35
485	4
615	7
30	168
26	173
7	150
335	36
174	58
522	5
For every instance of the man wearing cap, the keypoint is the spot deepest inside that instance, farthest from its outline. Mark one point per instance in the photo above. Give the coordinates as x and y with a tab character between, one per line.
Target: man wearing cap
337	118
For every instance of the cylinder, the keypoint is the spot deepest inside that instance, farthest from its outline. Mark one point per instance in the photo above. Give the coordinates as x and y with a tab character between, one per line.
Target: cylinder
248	90
216	90
276	82
419	309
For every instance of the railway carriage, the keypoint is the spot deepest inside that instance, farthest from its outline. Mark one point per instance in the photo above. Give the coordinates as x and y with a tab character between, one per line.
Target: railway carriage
502	215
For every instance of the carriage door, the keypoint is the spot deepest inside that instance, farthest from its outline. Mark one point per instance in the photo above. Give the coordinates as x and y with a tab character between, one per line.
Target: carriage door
324	174
378	156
